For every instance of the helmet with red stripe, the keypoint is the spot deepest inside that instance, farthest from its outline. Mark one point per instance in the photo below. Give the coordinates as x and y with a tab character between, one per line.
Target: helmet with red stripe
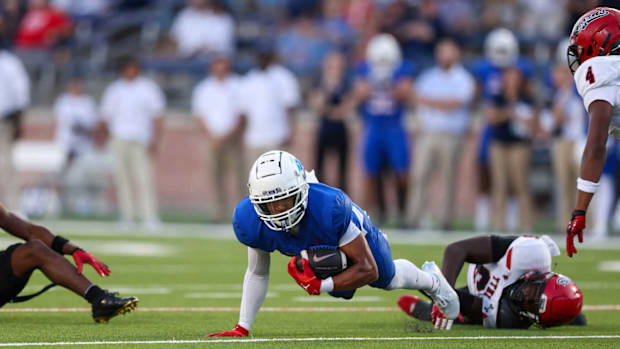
596	33
548	298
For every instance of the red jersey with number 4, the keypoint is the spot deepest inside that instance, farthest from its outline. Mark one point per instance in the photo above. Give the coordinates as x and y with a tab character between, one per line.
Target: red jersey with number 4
488	281
598	78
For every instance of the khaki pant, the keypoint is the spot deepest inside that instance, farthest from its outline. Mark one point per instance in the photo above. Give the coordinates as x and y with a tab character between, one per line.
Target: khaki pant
134	181
566	171
9	185
226	164
435	150
510	167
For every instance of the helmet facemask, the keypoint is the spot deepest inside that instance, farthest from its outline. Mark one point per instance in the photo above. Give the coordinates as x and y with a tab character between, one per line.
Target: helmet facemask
286	220
527	298
573	55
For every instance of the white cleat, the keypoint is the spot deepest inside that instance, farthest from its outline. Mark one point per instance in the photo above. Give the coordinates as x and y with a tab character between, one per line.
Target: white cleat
444	296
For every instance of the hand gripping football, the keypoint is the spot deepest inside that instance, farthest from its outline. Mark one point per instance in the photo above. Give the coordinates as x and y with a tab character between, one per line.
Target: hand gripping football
325	261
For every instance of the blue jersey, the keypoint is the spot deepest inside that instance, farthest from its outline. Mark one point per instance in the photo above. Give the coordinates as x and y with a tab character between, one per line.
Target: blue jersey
330	217
490	76
381	110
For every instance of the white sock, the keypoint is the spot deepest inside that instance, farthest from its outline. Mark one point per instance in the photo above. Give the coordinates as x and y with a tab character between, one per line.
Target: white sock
410	277
482	213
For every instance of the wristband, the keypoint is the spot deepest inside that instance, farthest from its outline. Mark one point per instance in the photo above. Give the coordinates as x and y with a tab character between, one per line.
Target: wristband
327	285
58	243
586	186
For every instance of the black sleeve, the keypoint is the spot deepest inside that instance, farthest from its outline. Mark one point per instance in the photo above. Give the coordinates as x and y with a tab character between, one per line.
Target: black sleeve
499	245
470	306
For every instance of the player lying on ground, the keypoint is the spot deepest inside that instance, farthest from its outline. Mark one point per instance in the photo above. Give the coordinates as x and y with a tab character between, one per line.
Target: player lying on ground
286	213
509	284
593	60
44	251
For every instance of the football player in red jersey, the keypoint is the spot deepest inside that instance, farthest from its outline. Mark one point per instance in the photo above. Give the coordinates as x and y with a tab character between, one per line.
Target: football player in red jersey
593	59
509	284
44	251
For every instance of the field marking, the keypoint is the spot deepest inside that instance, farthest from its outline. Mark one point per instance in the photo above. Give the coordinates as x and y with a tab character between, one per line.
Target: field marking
608	307
223	295
316	339
613	266
358	299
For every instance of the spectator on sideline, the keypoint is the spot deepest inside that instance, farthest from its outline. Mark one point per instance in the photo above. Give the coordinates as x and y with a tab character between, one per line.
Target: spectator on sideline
43	27
215	102
443	95
14	98
203	29
501	52
381	90
132	108
512	117
76	122
330	101
76	119
269	95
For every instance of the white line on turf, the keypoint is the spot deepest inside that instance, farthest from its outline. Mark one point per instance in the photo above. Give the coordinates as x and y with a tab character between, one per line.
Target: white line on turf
223	295
317	339
358	299
613	266
613	307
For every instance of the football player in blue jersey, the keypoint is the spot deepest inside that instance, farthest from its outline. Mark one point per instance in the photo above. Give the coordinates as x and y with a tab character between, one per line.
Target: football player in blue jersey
381	89
501	50
289	211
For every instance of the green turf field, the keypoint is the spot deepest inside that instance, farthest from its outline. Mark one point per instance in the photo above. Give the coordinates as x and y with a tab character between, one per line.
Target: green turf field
198	271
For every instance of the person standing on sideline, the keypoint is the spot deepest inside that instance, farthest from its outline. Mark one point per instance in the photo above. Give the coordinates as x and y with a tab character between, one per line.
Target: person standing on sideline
512	117
76	120
442	95
269	95
215	102
132	108
382	89
14	98
330	101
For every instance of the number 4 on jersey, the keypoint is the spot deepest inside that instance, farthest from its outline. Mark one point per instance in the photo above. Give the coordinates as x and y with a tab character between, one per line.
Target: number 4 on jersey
590	76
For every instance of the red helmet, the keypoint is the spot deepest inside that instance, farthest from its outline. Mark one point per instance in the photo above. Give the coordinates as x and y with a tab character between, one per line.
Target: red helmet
561	301
550	299
596	33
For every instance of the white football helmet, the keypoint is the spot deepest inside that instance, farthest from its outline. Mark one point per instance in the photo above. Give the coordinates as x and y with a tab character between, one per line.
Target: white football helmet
501	47
383	56
277	175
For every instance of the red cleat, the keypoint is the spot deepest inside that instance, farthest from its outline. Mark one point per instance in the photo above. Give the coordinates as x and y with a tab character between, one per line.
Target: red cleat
407	303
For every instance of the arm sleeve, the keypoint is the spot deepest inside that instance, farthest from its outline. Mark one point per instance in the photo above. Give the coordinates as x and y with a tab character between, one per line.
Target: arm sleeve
499	246
255	285
603	93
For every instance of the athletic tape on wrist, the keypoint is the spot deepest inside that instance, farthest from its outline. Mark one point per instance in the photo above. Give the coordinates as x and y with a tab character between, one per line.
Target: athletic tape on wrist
327	285
586	186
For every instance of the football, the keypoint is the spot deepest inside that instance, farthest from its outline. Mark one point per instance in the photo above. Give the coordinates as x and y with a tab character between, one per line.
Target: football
325	261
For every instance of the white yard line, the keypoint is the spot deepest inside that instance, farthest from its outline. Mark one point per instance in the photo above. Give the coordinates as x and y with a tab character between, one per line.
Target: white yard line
608	307
317	339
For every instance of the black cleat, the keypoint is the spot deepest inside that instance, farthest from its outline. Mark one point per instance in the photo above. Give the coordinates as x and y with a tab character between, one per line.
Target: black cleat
110	305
